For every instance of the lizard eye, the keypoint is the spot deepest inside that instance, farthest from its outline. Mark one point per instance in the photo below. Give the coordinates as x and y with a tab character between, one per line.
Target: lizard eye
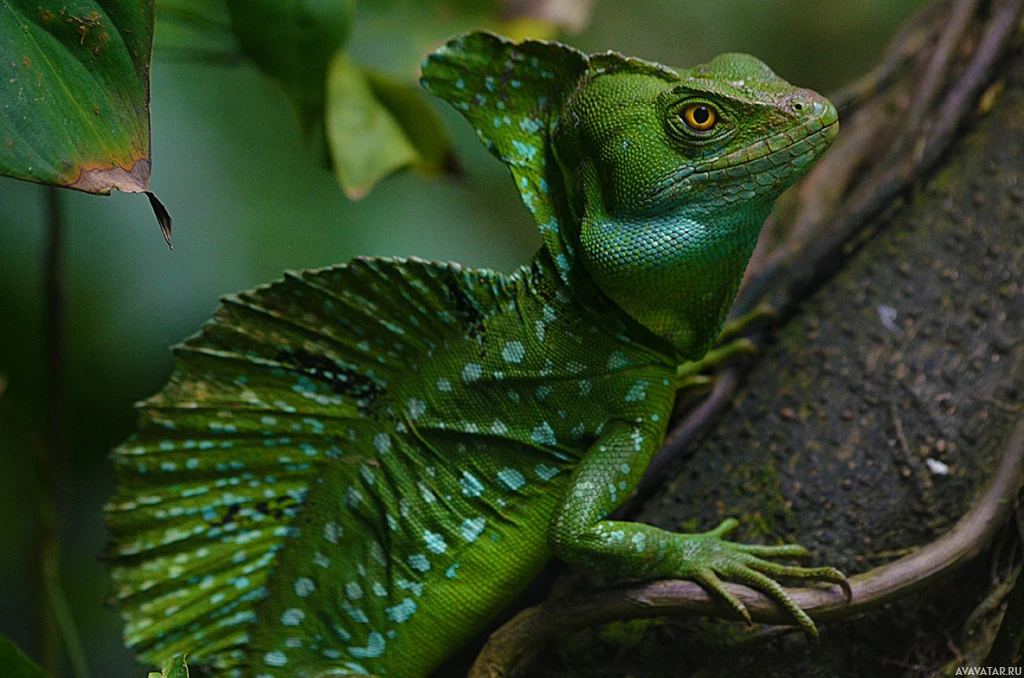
699	117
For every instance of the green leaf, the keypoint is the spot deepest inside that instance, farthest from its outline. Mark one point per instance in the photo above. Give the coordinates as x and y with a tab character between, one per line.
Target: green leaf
419	122
293	41
365	140
14	664
173	667
74	92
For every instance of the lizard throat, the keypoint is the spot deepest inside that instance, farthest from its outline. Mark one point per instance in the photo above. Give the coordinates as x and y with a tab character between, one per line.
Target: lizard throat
674	275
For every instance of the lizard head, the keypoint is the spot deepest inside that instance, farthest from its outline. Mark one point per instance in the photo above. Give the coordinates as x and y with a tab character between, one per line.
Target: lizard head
669	178
648	185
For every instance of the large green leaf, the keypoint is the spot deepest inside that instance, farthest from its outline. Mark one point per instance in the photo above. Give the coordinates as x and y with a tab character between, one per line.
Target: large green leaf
13	664
74	92
376	125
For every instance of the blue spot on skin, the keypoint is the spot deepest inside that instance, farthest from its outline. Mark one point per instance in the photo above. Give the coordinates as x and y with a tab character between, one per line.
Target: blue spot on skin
525	150
617	360
304	587
513	352
435	542
275	658
353	497
401	612
471	372
471	487
460	84
530	125
382	441
292	617
418	562
374	647
332	531
543	435
637	392
416	408
356	613
451	571
406	585
472	528
511	479
639	542
545	472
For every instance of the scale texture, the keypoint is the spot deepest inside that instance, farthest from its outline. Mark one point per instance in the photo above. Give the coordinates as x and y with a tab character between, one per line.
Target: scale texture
352	470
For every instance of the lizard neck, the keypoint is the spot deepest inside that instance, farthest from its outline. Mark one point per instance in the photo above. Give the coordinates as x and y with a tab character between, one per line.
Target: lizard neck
676	273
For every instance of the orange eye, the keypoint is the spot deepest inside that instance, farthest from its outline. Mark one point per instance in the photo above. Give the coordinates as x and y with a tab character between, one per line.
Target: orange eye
699	117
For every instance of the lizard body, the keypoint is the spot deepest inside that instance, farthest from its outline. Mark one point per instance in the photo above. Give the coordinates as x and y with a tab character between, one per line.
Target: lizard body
351	471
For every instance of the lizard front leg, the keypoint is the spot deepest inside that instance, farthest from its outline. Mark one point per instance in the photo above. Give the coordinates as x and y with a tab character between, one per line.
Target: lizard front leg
579	534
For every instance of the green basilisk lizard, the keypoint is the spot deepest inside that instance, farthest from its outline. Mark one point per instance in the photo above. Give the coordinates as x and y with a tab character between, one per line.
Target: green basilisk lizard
352	470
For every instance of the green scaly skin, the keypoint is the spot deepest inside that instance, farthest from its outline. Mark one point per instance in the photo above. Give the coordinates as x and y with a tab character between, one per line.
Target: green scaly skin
351	471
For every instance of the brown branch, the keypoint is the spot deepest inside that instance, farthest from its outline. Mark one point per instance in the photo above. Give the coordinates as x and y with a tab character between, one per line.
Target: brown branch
56	626
510	645
50	453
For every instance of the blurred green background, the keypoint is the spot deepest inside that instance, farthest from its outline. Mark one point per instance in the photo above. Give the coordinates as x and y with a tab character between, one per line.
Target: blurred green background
249	201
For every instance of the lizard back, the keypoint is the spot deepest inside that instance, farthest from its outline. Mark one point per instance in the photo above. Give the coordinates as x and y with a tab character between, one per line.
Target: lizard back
353	469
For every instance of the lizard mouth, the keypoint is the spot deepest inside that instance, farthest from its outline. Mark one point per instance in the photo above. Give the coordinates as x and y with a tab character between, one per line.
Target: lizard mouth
784	156
778	150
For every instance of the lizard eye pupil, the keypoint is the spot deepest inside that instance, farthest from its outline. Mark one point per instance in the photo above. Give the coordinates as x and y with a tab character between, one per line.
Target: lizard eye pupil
699	117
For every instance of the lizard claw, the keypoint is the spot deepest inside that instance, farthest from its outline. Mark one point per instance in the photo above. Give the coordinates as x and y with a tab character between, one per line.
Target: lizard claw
709	557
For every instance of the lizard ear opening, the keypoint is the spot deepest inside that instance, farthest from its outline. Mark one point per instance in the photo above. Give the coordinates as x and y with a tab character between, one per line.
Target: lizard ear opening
511	93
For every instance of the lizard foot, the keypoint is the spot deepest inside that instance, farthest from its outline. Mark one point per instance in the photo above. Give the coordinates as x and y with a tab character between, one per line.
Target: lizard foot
716	357
729	346
706	556
762	313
